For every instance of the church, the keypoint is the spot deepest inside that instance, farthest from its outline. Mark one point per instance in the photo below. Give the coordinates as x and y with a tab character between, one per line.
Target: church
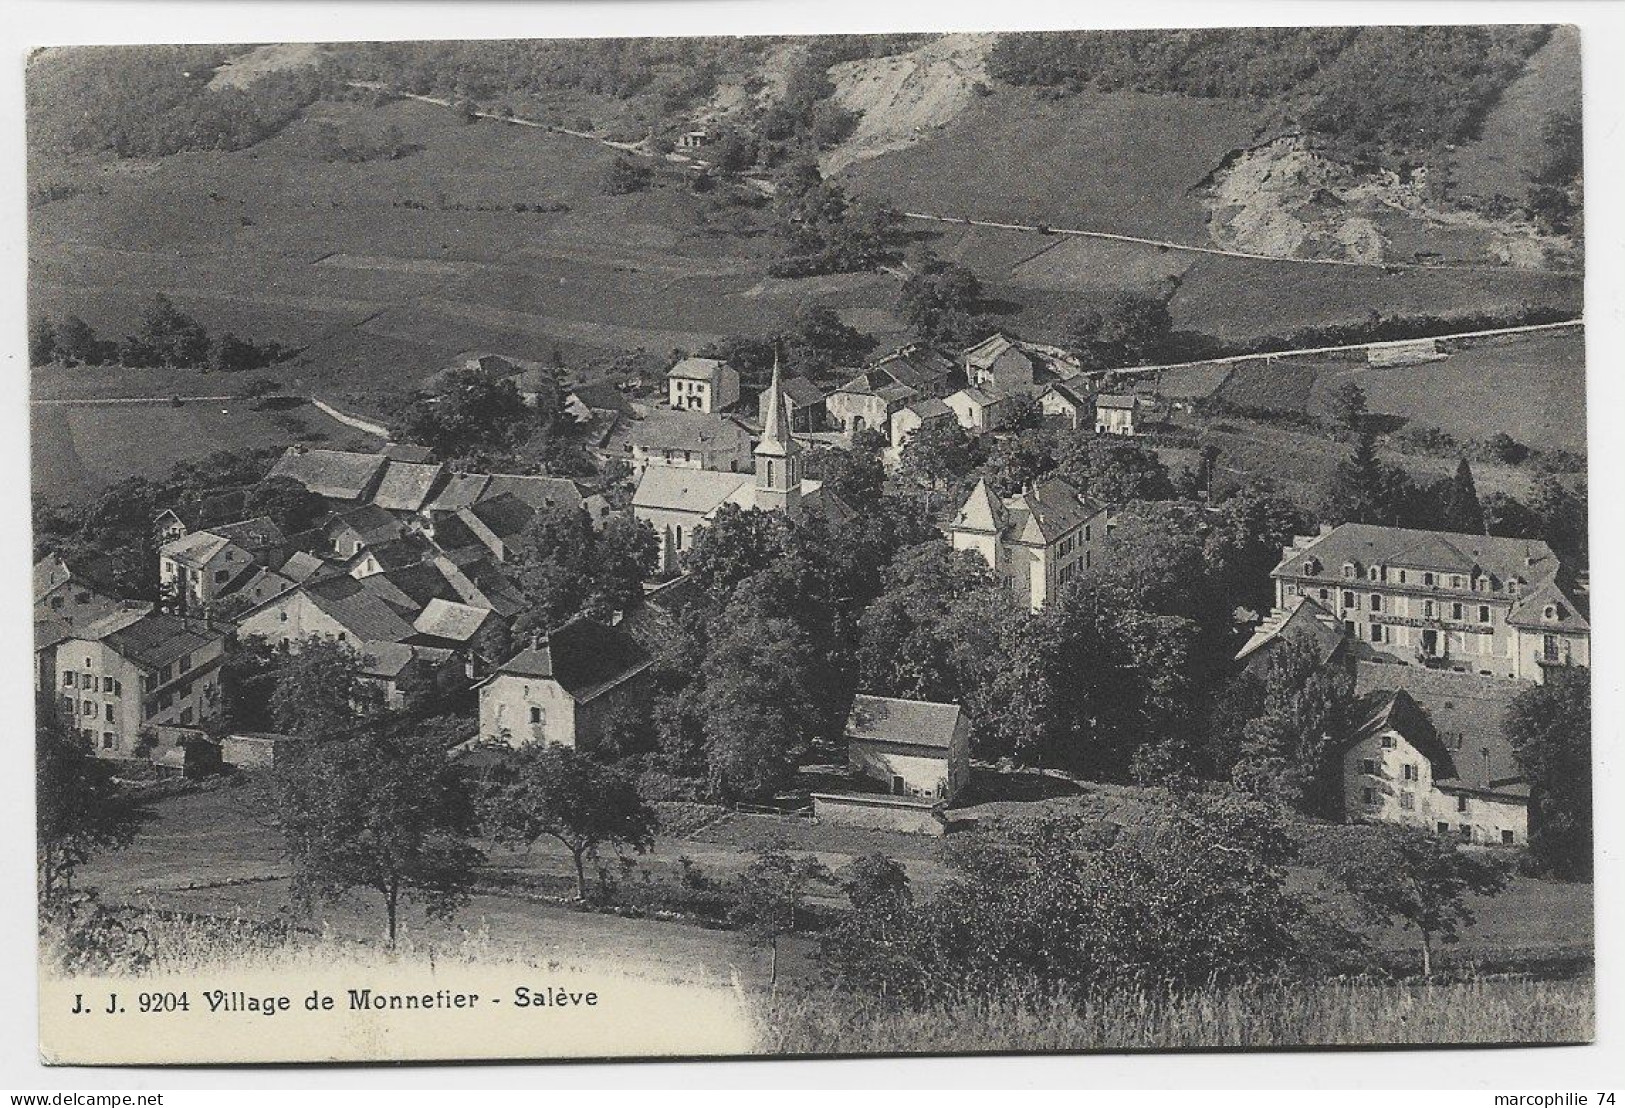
678	502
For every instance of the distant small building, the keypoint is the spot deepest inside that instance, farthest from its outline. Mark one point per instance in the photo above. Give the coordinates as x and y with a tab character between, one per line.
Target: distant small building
198	568
912	417
702	385
1068	402
693	140
998	366
564	687
689	440
338	475
868	401
1117	414
914	748
1301	622
803	403
976	410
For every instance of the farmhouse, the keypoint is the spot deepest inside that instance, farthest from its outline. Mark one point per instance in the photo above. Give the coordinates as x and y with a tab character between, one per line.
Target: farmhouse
198	568
210	511
702	385
1472	603
1116	414
998	366
361	528
689	440
121	677
868	401
1035	541
913	747
918	367
338	475
565	687
1068	402
71	592
803	402
976	410
397	670
1428	750
407	486
910	418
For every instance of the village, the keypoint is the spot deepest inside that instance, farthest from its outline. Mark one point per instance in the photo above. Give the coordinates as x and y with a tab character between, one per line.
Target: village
423	575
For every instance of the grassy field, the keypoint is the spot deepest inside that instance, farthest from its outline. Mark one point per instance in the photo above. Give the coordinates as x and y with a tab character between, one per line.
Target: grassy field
1509	148
1338	1014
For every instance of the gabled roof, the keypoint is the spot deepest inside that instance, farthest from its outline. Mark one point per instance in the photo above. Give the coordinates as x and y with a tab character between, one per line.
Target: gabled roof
259	533
446	619
687	490
1530	611
461	491
1046	511
1070	392
407	486
369	523
929	408
1379	712
801	392
905	722
696	369
584	656
1465	714
408	550
407	452
668	429
1300	620
1117	401
982	511
919	367
195	548
1368	544
538	492
156	639
506	516
603	396
303	565
335	474
359	608
896	393
988	351
975	396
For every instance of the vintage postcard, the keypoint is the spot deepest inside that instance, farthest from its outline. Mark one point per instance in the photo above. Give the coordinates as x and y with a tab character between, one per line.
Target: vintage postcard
857	544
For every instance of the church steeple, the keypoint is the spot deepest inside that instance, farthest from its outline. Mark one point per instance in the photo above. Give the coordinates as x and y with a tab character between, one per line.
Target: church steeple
778	454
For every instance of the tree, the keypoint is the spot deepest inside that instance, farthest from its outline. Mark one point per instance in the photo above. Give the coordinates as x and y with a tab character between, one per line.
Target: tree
1112	470
1289	753
167	337
291	506
626	175
1419	879
818	340
319	692
941	302
856	475
1124	329
80	812
1364	489
737	543
1346	407
557	792
1549	726
876	880
941	454
473	408
770	897
42	346
377	810
758	711
1458	500
77	342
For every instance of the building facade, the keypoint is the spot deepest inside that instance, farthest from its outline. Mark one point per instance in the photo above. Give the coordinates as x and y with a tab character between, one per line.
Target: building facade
689	440
702	385
1471	603
914	748
1037	541
564	688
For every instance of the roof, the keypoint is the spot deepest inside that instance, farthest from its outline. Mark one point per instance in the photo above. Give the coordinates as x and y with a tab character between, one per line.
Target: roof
987	351
1071	393
370	523
982	511
584	656
975	396
906	722
687	490
461	490
696	369
1046	511
1532	606
929	408
407	452
668	429
252	534
406	486
1458	718
1368	544
195	548
896	393
215	508
801	392
336	474
155	639
1302	621
603	396
408	550
537	492
917	366
302	565
506	516
1117	400
359	607
446	619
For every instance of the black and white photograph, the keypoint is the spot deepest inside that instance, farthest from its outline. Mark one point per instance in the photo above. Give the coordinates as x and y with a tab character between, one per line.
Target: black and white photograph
936	542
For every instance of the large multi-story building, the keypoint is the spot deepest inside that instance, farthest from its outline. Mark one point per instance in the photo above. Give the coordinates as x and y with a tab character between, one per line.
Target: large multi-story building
1036	541
122	677
1471	603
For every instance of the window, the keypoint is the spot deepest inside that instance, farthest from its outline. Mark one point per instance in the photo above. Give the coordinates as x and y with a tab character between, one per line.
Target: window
1427	578
1374	573
1427	609
108	712
88	681
1349	629
1458	612
1370	797
1376	632
1407	801
1483	613
1410	771
87	708
1401	577
282	616
184	664
107	684
1376	602
1368	765
536	715
1465	830
1348	571
1350	600
1387	742
1325	594
109	740
67	680
1461	803
1444	827
1455	581
1506	838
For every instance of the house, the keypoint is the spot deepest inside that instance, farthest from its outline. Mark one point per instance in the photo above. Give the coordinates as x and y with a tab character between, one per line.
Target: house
919	367
1036	541
260	536
702	385
1069	402
361	528
221	507
565	687
1116	414
448	623
1301	621
498	523
1495	607
121	677
176	750
691	440
1428	749
337	475
199	568
678	502
911	417
397	670
598	408
803	401
693	140
74	592
998	366
355	612
912	747
977	411
406	487
867	402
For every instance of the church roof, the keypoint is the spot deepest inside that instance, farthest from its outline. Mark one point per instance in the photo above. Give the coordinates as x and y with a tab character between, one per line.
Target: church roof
687	490
777	441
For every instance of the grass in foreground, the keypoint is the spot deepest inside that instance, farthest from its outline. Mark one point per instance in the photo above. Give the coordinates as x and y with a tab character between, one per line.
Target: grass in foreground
1276	1016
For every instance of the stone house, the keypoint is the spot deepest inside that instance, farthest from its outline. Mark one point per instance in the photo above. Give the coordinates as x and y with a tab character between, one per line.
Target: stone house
564	687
